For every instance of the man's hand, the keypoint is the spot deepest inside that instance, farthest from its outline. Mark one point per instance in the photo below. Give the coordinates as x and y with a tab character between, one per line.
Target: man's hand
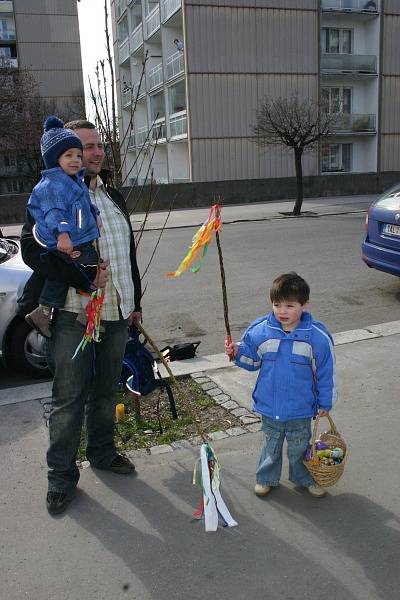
135	317
64	243
323	413
102	275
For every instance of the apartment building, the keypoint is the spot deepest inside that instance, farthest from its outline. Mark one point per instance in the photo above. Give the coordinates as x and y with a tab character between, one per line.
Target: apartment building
210	63
41	36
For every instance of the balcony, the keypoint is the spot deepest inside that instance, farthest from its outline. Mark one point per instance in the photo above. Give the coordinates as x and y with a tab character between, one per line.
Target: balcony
153	21
175	64
120	7
333	64
142	92
351	6
168	8
178	125
6	8
7	35
123	51
126	97
155	76
8	63
159	131
131	142
141	136
353	123
136	38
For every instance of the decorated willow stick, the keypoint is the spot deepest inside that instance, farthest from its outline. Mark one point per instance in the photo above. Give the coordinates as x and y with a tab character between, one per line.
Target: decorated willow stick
224	293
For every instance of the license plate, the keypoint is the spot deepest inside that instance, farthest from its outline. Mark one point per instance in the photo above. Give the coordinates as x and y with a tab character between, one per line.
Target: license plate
392	229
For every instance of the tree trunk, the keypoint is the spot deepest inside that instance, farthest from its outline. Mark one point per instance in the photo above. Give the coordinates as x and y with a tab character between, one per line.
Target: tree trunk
298	153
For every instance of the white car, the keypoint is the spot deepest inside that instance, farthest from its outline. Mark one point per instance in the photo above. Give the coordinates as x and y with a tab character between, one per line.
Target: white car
21	347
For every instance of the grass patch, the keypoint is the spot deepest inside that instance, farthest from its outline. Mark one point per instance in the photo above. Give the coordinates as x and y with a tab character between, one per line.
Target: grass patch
134	432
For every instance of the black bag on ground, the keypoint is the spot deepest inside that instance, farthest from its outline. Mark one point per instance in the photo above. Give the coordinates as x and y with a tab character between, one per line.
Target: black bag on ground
140	366
180	351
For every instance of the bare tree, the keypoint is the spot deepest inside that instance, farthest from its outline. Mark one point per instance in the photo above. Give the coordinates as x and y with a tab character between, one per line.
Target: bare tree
294	123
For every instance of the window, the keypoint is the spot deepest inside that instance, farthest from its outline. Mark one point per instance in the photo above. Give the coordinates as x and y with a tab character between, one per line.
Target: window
336	158
157	106
336	41
177	98
336	99
149	6
123	30
136	15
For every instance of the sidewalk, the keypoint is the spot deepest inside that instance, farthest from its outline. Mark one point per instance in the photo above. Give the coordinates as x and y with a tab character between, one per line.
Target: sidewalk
259	211
134	537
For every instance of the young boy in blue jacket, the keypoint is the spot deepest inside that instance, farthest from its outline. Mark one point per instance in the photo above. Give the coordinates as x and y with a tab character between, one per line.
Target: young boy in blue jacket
66	221
295	357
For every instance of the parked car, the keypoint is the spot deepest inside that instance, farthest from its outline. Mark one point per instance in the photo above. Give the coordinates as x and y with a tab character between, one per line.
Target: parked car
381	245
21	347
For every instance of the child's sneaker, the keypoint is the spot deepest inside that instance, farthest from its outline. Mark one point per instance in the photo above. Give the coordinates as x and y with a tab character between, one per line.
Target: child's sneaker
261	490
40	319
316	490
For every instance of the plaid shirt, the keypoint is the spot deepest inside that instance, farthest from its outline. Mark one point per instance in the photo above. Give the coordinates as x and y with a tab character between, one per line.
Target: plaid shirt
114	245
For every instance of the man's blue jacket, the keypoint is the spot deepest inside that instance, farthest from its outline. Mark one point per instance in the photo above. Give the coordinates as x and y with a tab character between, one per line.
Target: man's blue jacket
297	369
60	203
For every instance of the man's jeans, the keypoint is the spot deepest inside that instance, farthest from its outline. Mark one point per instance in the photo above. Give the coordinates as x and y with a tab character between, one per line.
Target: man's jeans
77	392
297	433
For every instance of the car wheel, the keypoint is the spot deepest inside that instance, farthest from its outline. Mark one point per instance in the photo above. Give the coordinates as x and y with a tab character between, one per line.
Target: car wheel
28	350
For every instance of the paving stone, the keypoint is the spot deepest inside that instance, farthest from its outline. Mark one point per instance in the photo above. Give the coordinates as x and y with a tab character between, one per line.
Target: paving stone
230	405
220	399
198	375
233	431
239	412
217	435
208	386
249	420
181	444
201	380
215	392
139	453
161	449
254	427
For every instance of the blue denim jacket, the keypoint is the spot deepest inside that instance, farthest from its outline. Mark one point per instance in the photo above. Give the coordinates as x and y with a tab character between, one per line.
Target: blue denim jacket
60	203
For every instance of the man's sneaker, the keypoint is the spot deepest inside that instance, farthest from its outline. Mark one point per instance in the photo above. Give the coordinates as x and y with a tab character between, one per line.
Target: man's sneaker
57	502
120	465
261	490
316	490
40	319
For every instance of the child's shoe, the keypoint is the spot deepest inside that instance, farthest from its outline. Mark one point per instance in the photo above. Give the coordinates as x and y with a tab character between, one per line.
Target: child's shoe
40	319
261	490
316	490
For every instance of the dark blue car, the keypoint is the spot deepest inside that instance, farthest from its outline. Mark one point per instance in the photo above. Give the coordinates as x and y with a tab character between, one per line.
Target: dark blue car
381	245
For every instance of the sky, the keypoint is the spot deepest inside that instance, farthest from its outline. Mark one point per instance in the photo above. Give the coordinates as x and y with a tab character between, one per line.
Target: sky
93	38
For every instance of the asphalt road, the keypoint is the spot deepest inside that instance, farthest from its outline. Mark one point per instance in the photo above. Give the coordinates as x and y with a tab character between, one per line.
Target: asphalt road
345	293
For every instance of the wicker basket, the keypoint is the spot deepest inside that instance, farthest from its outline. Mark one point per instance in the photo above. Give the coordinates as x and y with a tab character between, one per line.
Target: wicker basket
326	475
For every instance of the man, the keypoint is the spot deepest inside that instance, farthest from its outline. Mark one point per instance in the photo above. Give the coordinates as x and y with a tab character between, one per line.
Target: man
86	386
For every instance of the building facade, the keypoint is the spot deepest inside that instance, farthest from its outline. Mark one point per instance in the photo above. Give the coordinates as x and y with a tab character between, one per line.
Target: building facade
209	64
41	36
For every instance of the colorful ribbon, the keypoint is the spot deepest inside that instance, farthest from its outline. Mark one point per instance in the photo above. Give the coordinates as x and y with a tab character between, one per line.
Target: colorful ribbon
200	241
93	310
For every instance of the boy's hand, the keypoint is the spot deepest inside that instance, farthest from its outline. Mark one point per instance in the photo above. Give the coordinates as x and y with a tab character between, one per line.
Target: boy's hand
231	349
64	243
323	413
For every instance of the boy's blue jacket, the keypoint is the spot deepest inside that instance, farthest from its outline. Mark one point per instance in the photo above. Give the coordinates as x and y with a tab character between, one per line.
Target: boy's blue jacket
60	203
297	369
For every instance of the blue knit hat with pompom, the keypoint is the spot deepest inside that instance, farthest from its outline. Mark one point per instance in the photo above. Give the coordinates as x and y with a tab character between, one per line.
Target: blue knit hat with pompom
56	140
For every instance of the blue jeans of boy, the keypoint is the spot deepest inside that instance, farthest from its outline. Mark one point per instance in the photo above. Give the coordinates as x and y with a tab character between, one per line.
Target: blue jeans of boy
80	392
297	434
54	293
